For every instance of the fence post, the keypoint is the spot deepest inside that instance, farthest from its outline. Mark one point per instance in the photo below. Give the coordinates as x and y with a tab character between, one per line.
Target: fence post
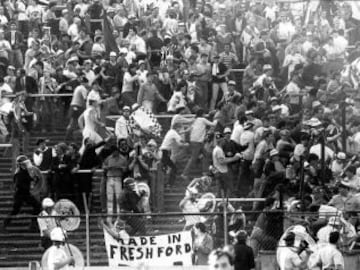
87	225
226	240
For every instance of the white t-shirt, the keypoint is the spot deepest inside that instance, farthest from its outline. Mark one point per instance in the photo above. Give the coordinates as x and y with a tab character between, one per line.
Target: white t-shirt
218	155
329	256
289	259
177	100
93	95
171	140
236	132
56	255
128	82
198	129
316	149
247	137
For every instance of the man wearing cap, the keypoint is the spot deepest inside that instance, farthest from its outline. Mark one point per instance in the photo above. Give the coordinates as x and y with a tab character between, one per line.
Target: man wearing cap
114	167
245	174
344	200
338	164
22	182
129	203
42	158
47	224
232	94
110	73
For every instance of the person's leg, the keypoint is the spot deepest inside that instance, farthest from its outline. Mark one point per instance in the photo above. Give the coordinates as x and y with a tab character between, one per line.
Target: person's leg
117	188
224	88
195	148
110	188
36	206
103	194
214	96
18	202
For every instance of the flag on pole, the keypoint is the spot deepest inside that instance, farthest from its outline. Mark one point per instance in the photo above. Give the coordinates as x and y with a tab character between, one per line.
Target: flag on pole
109	40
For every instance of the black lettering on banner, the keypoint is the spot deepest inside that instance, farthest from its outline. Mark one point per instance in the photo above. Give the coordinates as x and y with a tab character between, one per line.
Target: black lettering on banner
177	238
187	248
174	238
143	241
123	256
149	253
169	251
112	251
131	254
121	242
132	242
140	252
152	240
160	250
178	249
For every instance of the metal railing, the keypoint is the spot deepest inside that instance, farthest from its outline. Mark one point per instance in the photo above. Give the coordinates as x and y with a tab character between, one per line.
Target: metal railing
218	225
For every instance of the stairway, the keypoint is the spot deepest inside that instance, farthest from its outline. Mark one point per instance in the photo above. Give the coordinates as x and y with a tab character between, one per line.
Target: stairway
18	246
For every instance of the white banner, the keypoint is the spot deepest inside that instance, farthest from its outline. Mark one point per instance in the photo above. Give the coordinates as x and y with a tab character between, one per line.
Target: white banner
160	250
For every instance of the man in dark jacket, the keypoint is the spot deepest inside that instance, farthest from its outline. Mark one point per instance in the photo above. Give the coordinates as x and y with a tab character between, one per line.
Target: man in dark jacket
244	256
22	182
128	201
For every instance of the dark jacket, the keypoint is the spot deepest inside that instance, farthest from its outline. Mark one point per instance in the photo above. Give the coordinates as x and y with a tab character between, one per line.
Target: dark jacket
244	257
30	86
22	181
128	201
19	40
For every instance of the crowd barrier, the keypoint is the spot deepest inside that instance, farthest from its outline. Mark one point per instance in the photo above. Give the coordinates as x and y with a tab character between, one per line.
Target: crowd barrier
91	232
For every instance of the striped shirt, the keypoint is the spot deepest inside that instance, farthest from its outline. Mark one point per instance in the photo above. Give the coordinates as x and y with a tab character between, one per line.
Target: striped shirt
228	59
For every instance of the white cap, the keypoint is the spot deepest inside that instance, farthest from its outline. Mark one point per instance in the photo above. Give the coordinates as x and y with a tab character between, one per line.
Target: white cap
341	155
47	202
64	11
227	130
126	108
274	152
334	221
113	54
123	51
57	235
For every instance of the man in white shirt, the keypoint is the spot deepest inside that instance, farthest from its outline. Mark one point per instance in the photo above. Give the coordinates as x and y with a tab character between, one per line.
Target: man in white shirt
328	256
123	129
334	225
220	163
46	224
171	141
197	137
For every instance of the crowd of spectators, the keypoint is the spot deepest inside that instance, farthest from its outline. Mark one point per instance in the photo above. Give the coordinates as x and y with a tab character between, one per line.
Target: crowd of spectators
271	86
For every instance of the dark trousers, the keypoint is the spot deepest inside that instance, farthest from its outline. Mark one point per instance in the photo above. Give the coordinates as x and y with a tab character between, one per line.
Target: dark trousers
224	184
167	162
46	242
245	179
21	197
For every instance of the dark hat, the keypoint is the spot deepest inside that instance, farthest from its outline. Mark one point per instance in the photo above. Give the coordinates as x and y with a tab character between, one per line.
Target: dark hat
129	181
41	140
289	237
